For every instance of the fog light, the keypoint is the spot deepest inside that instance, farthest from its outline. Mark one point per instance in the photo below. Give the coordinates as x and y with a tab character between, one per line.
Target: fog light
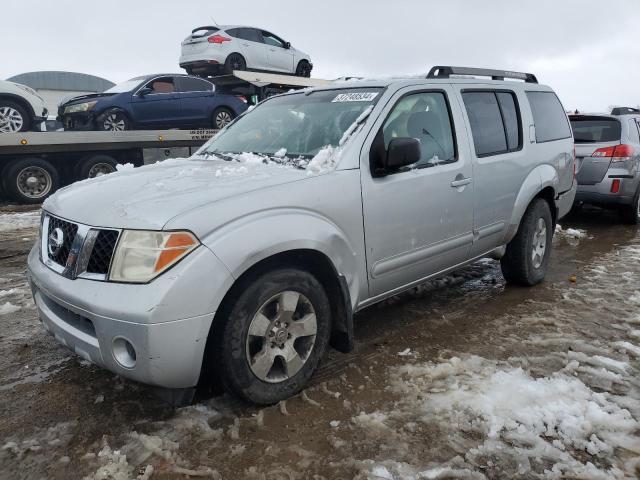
124	353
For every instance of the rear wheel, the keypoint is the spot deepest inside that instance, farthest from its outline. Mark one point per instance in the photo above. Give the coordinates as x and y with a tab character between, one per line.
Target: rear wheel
303	69
275	334
222	117
527	256
13	117
96	166
30	180
113	120
631	213
234	61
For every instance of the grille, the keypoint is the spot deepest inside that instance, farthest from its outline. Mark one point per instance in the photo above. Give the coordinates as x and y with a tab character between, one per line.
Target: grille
102	252
69	231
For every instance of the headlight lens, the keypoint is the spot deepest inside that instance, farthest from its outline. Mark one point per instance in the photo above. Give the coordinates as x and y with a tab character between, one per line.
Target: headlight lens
80	107
143	255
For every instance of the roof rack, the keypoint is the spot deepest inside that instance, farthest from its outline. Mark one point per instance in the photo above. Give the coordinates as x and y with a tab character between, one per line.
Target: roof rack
442	71
625	111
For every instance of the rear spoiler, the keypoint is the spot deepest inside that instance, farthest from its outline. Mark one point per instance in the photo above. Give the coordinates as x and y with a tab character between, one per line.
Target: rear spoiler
206	27
625	111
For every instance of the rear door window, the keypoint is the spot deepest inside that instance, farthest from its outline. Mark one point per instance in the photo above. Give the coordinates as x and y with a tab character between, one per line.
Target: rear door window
189	84
549	117
495	121
593	129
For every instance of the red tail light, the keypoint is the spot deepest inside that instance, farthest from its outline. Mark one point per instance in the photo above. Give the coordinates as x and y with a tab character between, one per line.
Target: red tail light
242	98
218	39
615	186
617	153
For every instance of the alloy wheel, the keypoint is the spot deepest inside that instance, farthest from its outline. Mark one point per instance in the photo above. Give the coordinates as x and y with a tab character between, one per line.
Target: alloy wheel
281	337
34	182
223	118
11	120
539	243
114	122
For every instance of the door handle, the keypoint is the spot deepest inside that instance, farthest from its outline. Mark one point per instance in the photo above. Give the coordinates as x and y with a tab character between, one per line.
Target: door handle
461	182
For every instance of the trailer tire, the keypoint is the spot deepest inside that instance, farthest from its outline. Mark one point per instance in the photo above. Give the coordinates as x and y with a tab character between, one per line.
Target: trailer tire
30	180
96	165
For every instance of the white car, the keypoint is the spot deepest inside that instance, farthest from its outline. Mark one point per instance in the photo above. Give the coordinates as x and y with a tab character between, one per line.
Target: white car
210	51
21	108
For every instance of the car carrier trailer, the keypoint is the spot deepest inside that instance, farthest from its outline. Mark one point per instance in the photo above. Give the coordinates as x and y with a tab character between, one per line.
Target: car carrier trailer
34	164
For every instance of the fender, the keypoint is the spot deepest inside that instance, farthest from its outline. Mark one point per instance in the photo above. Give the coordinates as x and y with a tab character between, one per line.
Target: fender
244	242
539	178
21	101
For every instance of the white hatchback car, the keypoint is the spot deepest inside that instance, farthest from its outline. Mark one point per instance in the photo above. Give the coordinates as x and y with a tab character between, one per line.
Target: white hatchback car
222	49
21	108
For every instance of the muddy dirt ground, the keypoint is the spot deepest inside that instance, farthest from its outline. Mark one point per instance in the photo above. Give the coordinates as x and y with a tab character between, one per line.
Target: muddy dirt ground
462	377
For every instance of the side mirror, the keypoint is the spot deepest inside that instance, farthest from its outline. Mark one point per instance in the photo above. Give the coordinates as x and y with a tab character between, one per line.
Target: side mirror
287	45
144	91
402	152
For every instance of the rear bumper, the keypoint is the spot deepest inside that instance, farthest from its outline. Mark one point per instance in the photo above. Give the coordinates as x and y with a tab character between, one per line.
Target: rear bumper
601	194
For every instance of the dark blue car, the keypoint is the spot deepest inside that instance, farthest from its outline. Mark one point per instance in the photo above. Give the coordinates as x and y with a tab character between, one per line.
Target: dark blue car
152	102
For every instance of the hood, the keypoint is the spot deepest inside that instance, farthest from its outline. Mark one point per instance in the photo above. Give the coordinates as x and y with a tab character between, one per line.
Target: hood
83	98
148	197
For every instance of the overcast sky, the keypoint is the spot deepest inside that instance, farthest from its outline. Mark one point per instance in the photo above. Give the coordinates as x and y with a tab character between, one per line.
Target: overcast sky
587	50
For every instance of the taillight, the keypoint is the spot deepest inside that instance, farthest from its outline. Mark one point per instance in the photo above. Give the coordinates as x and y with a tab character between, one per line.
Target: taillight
218	39
617	153
242	98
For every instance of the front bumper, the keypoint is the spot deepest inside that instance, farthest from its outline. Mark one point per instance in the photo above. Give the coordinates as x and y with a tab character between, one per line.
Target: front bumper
166	321
565	200
83	121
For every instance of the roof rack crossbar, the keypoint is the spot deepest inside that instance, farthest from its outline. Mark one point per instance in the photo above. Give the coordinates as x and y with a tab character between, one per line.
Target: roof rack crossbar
443	71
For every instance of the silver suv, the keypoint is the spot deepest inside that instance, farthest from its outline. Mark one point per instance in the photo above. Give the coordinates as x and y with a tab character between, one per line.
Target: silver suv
608	157
242	264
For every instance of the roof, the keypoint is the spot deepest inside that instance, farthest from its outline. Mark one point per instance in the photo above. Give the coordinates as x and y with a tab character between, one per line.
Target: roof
65	81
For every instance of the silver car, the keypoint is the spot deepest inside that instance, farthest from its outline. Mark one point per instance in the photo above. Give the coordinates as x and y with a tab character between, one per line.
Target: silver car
608	156
243	263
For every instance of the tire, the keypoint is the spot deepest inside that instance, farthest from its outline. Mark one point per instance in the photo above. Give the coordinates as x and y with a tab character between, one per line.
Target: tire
521	265
30	180
113	120
234	61
303	69
95	166
221	117
13	117
630	214
241	361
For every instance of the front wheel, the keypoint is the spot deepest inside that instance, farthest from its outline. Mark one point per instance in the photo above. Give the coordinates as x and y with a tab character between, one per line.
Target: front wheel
303	69
13	117
273	337
525	261
113	120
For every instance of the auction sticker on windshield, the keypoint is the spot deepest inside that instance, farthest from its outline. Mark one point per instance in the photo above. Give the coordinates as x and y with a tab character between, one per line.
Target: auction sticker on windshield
355	97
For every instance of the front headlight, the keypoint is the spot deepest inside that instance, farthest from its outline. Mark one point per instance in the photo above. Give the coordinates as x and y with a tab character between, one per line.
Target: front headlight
80	107
143	255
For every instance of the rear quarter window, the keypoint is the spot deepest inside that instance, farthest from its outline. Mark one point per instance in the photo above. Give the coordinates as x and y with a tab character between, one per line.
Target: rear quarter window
595	129
549	117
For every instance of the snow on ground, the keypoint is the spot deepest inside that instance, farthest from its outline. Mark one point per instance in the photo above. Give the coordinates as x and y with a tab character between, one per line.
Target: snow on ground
19	221
571	235
572	413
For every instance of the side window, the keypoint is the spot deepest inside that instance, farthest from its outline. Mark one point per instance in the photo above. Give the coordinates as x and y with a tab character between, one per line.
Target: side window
162	85
235	32
633	131
271	39
549	117
489	136
253	35
424	116
190	84
511	119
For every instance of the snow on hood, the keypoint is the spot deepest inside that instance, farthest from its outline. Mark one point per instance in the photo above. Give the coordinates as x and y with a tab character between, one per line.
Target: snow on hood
149	196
